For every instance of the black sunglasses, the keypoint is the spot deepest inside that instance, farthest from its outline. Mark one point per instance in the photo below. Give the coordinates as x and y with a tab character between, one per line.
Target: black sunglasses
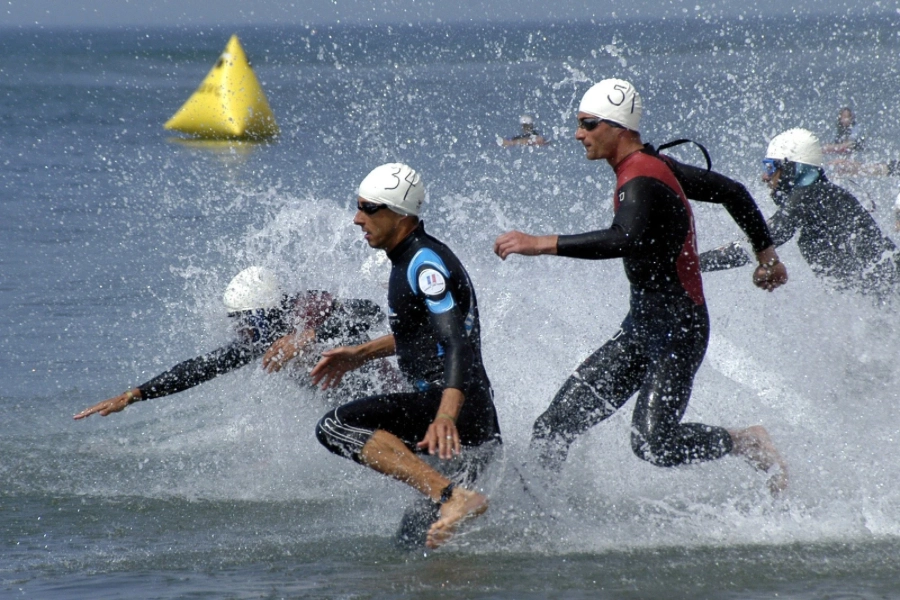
370	208
592	123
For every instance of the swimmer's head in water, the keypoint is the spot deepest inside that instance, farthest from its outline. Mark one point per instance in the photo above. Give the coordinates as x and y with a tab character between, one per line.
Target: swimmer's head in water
395	185
614	100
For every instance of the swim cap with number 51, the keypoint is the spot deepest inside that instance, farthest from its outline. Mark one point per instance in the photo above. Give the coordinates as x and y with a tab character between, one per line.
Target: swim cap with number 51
615	100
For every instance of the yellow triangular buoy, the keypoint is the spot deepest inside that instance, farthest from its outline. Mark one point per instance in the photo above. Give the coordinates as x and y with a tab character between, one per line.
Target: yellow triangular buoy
229	104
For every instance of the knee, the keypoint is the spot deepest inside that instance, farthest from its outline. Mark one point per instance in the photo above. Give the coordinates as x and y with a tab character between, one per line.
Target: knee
550	443
651	447
340	439
325	431
543	427
563	419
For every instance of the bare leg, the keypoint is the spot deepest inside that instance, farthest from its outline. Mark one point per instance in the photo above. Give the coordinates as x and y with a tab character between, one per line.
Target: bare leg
385	453
755	445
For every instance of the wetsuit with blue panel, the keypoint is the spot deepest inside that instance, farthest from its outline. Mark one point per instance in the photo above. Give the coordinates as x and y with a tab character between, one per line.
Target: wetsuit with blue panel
663	339
433	316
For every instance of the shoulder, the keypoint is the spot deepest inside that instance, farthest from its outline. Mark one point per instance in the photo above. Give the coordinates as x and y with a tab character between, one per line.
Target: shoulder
643	165
427	271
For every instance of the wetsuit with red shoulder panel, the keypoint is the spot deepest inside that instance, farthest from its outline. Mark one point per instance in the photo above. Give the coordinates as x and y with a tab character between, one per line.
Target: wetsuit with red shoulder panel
662	340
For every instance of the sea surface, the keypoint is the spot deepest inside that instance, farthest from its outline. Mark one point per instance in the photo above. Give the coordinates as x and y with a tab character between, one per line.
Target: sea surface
117	239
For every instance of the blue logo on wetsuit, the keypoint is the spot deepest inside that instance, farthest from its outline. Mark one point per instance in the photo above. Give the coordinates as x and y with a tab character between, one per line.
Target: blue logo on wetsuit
428	259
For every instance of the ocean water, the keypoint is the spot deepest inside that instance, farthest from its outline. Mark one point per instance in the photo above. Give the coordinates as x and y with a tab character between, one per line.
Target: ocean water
117	239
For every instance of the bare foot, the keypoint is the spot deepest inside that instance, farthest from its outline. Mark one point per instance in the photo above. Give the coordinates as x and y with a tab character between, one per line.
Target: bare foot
463	505
755	445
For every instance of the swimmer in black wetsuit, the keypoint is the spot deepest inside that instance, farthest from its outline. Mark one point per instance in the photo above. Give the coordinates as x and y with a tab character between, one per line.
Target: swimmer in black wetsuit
664	336
838	238
269	324
436	337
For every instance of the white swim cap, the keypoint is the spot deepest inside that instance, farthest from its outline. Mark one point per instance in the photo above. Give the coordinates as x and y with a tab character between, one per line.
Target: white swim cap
615	100
796	145
526	120
897	203
396	185
251	289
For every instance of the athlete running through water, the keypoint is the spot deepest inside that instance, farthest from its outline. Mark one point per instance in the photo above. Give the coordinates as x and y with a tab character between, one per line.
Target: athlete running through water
436	336
838	238
664	337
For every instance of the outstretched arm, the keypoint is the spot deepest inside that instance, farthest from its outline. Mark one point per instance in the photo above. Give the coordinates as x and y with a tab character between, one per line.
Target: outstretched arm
516	242
337	362
709	186
769	274
182	376
111	405
729	256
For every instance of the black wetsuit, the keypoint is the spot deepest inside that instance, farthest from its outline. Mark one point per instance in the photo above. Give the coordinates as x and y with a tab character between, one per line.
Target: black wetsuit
434	319
838	238
333	320
663	339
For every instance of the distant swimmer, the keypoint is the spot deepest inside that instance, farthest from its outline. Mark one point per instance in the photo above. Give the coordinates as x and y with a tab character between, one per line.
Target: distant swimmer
529	136
849	143
838	237
848	138
268	324
663	339
436	336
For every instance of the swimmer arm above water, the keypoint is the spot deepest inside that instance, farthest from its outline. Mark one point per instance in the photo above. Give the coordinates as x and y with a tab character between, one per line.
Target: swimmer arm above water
769	275
183	376
112	405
